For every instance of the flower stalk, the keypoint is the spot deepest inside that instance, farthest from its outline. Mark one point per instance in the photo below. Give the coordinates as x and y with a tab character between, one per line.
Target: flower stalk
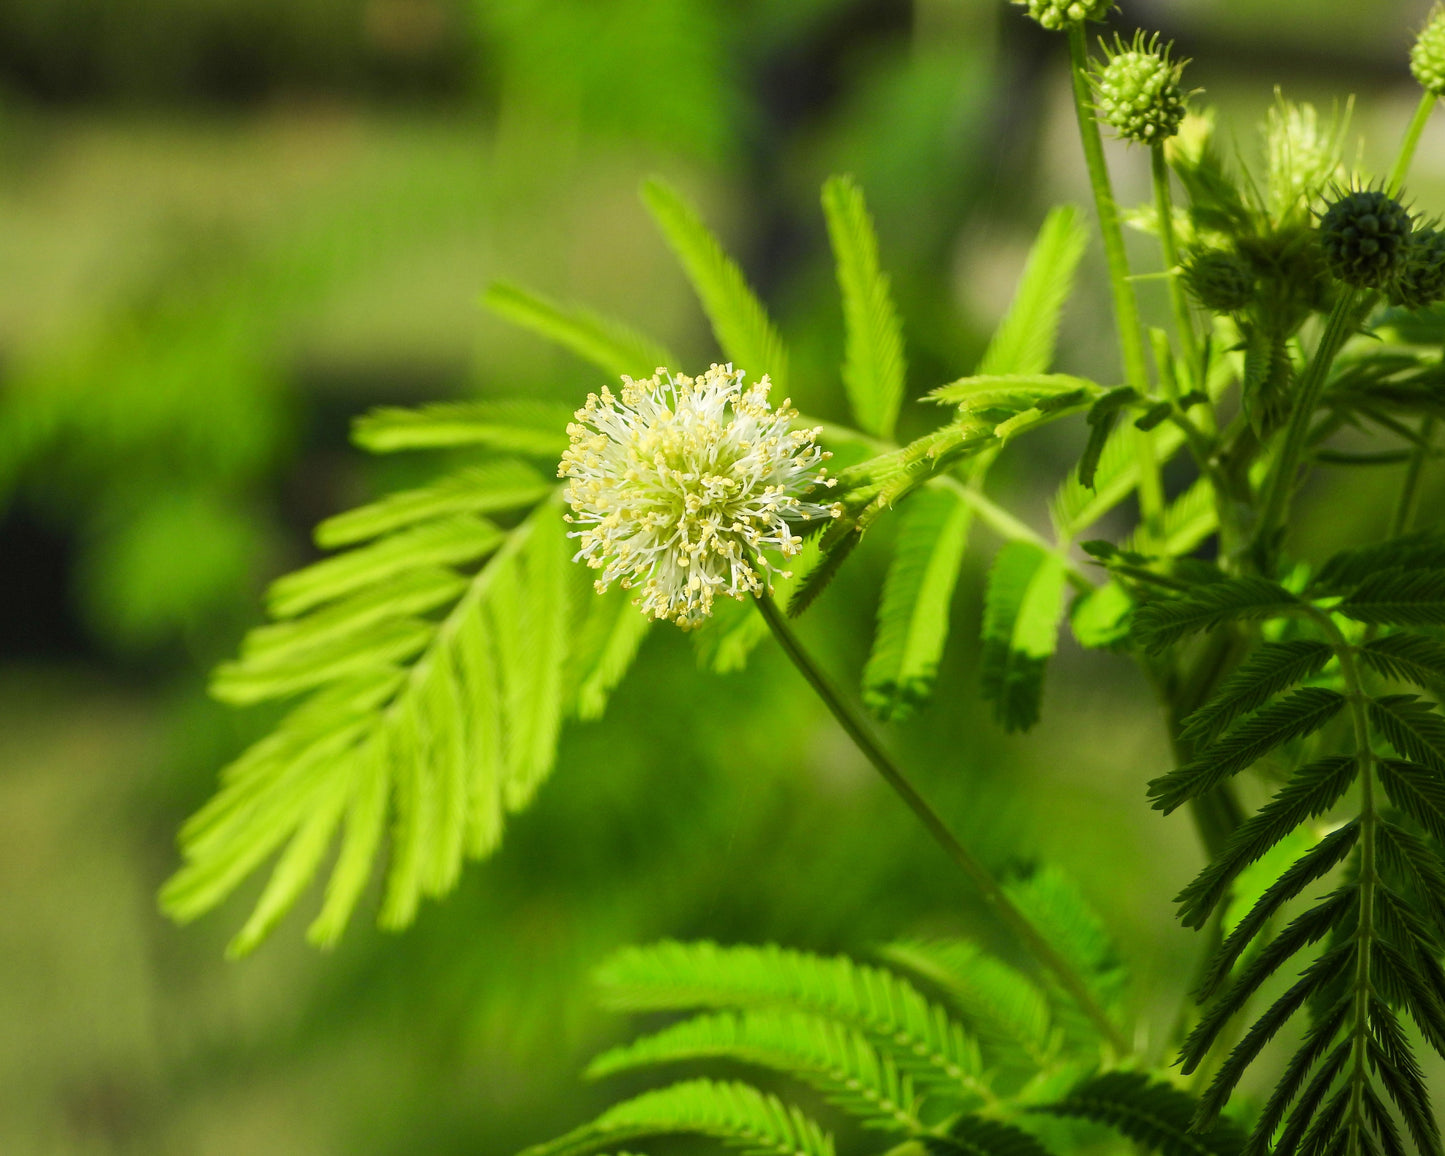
858	730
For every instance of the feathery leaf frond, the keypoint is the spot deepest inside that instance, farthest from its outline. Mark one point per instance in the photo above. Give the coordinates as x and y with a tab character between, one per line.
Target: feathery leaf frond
529	429
917	1034
1398	598
1022	606
737	1114
1281	721
616	349
1272	668
1153	1114
873	367
1025	338
739	321
836	1060
1164	621
913	614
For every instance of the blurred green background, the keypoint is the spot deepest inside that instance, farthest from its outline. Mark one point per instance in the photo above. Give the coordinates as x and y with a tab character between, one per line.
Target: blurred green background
228	226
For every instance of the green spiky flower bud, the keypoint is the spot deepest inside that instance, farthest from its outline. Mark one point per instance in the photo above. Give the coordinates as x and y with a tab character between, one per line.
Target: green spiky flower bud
1421	281
1365	235
1060	14
1427	57
1139	93
1220	280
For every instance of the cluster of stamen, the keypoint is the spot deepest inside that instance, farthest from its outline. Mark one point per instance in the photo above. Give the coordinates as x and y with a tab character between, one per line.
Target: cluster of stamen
682	485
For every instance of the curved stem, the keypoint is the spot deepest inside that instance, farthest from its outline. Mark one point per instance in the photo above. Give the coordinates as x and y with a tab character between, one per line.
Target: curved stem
1407	146
1183	321
1409	503
1280	485
1126	308
861	733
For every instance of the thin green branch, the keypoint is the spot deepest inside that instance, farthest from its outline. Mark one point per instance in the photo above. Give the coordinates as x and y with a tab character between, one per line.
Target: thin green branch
1407	147
857	729
1280	484
1183	320
1409	502
1126	308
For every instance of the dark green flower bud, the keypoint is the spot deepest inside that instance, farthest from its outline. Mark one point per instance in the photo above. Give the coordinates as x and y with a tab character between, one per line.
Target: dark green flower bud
1365	235
1139	93
1220	280
1427	57
1058	14
1422	280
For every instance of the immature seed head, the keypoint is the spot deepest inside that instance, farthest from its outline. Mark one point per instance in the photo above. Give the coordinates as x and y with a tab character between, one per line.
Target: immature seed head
1421	281
1220	280
1365	234
682	483
1060	14
1427	57
1139	93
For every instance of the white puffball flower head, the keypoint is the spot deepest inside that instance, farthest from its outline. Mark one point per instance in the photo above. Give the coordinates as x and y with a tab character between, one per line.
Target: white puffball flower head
681	484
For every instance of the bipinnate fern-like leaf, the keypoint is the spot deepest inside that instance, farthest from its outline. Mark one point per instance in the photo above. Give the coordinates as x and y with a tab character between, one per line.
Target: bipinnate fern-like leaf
737	1114
1353	1085
1154	1115
434	660
914	1033
913	614
836	1060
739	321
1022	607
529	429
873	365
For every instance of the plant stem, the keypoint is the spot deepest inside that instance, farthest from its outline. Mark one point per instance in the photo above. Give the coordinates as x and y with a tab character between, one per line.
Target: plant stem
861	733
1409	502
1183	321
1126	308
1280	485
1407	146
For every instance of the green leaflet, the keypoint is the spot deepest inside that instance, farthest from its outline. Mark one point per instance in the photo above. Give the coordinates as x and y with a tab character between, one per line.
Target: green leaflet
1398	598
1011	392
1153	1114
1055	905
445	542
1272	668
531	429
1281	721
1008	1011
740	323
914	1033
977	1136
1349	568
873	366
1075	507
735	1113
1407	657
913	614
1163	621
1024	340
1187	521
490	488
1022	606
836	1060
616	349
608	639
